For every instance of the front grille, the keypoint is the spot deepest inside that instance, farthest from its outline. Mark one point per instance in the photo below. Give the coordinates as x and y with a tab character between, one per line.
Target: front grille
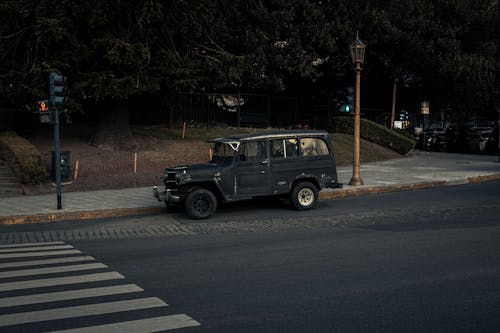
170	179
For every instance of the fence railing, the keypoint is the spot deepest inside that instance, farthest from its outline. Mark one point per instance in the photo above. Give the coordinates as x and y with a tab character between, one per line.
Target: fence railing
245	110
136	163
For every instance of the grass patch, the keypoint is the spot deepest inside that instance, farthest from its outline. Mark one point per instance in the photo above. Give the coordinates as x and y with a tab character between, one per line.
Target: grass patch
375	133
342	143
370	152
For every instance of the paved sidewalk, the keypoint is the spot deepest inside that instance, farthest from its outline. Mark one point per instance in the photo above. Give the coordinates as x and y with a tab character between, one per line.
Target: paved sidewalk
421	170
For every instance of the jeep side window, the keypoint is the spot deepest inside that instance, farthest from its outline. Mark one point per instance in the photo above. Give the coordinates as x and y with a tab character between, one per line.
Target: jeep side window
313	147
253	151
285	148
292	148
277	148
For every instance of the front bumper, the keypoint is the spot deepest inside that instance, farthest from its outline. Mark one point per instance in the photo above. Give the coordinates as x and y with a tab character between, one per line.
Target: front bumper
163	194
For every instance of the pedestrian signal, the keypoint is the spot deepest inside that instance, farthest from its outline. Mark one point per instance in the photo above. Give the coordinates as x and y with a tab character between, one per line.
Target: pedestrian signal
42	106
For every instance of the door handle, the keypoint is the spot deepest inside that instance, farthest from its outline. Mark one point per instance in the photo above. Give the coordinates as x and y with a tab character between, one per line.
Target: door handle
266	161
262	171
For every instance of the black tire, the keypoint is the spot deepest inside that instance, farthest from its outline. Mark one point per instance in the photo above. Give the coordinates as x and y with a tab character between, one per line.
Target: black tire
200	204
304	196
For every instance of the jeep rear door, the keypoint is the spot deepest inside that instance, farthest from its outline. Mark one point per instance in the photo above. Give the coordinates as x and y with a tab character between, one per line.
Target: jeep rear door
286	163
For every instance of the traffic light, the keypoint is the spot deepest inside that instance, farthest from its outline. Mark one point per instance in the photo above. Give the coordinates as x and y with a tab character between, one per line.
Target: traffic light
58	89
348	106
345	108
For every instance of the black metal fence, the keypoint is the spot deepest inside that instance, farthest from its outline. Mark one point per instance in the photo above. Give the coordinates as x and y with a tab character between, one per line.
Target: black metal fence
236	110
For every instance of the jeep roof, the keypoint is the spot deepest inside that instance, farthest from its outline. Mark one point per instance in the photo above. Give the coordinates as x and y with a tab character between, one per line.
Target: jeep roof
268	135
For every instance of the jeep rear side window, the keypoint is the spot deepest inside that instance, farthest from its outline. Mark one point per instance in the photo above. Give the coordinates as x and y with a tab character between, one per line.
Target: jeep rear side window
285	148
313	147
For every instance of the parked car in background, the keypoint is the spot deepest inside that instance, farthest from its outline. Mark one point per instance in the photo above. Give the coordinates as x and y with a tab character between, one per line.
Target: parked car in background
480	139
433	140
295	163
492	146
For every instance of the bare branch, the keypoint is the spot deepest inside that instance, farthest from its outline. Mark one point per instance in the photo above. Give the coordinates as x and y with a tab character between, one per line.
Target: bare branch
14	34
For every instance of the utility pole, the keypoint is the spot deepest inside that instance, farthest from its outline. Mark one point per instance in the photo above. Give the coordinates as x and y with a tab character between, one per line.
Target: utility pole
393	112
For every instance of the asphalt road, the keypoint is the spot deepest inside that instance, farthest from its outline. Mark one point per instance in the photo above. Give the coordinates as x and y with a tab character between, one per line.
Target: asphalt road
412	261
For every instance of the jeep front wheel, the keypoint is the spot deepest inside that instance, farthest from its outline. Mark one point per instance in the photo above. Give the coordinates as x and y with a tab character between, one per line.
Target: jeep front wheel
200	204
304	196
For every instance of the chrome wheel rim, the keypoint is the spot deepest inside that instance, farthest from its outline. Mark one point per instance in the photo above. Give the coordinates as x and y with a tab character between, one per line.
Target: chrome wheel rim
305	196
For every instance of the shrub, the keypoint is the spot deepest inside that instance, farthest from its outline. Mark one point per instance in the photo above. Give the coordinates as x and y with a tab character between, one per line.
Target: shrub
25	159
375	133
405	133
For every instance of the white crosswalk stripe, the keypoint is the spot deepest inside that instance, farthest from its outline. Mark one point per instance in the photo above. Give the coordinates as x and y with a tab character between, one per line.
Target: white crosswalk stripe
39	283
80	311
102	300
38	254
31	244
50	270
46	262
36	248
140	326
68	295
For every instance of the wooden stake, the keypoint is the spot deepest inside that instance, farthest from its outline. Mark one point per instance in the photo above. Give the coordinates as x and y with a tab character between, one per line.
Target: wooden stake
183	130
77	164
135	162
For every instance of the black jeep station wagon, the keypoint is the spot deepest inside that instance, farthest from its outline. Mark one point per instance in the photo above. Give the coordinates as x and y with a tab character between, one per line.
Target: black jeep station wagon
294	163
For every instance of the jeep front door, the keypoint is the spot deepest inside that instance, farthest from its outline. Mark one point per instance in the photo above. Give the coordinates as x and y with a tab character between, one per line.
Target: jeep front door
252	176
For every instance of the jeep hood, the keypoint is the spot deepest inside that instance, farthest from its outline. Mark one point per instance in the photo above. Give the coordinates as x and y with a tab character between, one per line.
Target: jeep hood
198	168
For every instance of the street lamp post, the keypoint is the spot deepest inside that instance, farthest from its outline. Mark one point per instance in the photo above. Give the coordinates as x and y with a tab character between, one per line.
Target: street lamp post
358	56
498	133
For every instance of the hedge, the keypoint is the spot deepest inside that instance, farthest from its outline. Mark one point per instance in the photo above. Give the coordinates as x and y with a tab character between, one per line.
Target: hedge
375	133
25	158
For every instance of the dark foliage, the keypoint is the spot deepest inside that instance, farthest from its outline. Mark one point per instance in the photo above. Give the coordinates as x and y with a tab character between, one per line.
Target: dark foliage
445	51
24	158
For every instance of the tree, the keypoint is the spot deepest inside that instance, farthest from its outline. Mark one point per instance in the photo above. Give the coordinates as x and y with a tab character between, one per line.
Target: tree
111	51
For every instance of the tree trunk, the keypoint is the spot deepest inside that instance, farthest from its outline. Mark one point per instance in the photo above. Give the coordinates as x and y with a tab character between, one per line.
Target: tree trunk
113	129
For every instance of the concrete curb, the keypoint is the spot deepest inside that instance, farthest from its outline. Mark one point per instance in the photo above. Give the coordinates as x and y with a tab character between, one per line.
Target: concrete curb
343	193
83	215
324	195
354	192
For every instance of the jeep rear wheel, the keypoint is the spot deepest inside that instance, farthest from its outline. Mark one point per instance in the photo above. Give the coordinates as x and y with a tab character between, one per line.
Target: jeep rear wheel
200	204
304	196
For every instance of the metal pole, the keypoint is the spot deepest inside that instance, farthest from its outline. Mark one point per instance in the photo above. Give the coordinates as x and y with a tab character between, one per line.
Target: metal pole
356	179
423	133
238	115
57	157
269	111
393	112
498	134
295	113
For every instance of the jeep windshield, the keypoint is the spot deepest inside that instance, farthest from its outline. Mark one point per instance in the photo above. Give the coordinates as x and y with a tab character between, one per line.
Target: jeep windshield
223	150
